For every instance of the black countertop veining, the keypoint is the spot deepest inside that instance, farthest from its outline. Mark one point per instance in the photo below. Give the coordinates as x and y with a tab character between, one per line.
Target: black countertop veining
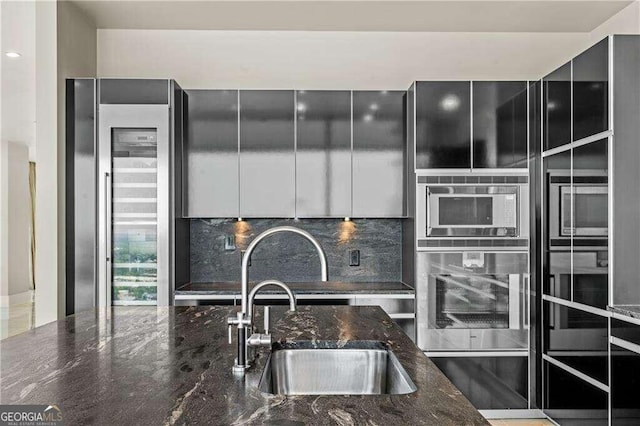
172	365
317	287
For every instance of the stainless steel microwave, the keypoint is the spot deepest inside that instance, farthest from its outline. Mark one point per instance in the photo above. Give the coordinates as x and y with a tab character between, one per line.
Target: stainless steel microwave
487	211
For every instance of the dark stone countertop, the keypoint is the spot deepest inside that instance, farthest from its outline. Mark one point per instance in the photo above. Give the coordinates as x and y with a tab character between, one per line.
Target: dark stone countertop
148	365
632	311
318	287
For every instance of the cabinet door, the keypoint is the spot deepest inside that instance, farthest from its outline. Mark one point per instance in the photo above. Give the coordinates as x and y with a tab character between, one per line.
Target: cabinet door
590	91
499	124
323	154
443	124
211	154
625	373
379	153
557	107
267	157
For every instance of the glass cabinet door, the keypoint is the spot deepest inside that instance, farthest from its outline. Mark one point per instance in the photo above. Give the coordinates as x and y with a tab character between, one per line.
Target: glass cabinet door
590	91
557	107
499	124
443	124
134	216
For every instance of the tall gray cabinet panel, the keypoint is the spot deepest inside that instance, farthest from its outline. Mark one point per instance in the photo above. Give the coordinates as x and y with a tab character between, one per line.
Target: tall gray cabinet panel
323	153
267	153
80	204
379	153
211	166
626	173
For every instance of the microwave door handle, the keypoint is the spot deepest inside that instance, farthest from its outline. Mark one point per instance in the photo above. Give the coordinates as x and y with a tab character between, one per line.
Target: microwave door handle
428	210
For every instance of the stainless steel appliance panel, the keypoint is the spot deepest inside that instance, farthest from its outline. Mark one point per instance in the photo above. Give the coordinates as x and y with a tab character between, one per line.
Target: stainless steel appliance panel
323	153
81	195
472	300
267	153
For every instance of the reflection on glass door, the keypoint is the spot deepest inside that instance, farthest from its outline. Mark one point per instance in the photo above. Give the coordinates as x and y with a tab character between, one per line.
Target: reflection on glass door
134	224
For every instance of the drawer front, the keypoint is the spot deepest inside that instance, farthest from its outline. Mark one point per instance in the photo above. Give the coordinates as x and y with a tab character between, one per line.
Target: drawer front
390	305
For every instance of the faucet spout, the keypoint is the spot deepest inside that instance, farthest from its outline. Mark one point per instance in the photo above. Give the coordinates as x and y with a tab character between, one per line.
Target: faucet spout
262	236
258	287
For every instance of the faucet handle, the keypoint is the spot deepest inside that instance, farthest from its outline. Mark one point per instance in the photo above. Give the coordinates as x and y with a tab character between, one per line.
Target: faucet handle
267	312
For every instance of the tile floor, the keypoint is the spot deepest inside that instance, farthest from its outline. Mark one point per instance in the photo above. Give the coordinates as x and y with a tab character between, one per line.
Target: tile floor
16	319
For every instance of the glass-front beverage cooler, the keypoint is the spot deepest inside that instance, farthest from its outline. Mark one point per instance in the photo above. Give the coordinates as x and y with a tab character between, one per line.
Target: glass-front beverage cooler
134	205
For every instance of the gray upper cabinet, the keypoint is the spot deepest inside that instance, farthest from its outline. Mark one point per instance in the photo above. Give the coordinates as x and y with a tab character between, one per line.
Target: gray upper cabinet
323	153
267	153
211	154
379	154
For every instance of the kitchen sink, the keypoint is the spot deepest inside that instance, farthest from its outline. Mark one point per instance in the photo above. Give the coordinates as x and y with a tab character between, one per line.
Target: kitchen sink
325	368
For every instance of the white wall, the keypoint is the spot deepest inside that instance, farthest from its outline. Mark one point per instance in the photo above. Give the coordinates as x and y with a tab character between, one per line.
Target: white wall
17	135
47	236
344	60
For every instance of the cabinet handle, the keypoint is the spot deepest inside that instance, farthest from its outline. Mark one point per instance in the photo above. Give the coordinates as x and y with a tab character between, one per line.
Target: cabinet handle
107	236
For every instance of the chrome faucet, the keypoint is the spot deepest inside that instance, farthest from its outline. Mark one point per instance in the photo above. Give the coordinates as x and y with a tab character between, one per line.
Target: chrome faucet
244	318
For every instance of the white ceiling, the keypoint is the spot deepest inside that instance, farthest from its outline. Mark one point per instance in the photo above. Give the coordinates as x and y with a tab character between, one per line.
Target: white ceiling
370	15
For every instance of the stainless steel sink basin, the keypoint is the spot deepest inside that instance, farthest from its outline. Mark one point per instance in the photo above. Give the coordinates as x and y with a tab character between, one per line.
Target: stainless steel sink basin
323	368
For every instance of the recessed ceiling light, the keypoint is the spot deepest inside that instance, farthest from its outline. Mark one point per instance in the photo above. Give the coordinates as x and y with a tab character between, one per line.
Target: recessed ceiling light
13	54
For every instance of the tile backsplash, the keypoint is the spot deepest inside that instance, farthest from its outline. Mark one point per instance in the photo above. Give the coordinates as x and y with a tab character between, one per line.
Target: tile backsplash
289	257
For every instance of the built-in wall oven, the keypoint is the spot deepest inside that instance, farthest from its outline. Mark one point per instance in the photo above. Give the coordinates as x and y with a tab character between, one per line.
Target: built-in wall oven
472	301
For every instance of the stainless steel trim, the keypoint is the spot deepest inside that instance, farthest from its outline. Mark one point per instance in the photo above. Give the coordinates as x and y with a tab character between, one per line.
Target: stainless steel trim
625	344
414	118
625	318
295	154
578	143
239	174
402	316
576	373
475	172
514	414
576	305
107	233
471	124
351	130
476	354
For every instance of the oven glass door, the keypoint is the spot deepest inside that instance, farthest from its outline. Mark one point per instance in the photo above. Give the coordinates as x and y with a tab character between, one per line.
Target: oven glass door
465	211
472	301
